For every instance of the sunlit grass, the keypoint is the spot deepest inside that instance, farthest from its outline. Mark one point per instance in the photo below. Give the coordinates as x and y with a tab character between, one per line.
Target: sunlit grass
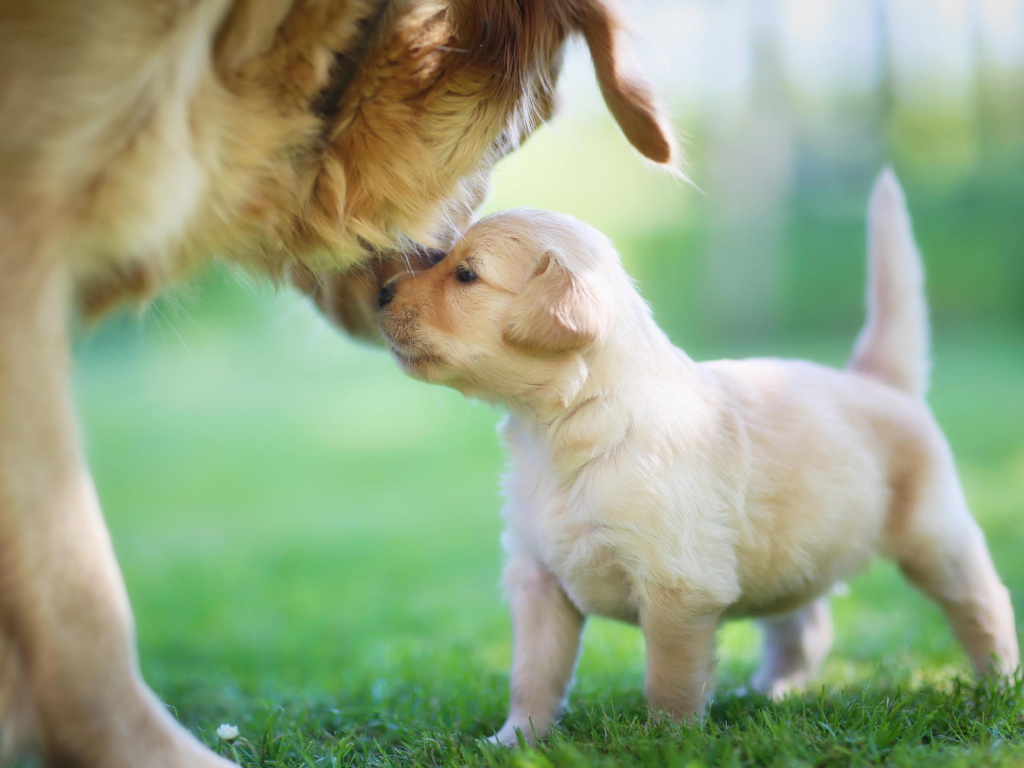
311	544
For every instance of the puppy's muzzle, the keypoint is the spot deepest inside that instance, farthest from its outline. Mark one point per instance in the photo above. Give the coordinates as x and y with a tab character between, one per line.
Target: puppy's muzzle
419	261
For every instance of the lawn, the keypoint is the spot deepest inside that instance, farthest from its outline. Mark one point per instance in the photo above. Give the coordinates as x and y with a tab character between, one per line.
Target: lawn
311	545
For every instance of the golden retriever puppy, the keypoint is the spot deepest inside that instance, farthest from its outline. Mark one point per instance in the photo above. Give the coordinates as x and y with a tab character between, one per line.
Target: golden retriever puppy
672	494
139	139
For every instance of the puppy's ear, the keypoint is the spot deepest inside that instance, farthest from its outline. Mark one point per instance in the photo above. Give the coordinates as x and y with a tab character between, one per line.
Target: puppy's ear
557	311
626	91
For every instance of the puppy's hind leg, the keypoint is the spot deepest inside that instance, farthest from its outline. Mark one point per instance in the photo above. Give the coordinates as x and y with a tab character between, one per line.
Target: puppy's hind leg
794	648
942	551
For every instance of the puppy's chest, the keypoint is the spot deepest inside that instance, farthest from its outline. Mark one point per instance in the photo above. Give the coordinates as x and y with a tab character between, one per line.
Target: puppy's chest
587	551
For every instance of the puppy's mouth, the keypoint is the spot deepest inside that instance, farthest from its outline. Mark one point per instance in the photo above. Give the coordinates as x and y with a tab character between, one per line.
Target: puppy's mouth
412	358
401	332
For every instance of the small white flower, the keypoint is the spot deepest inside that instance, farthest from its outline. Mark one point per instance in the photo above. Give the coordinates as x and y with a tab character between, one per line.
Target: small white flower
227	732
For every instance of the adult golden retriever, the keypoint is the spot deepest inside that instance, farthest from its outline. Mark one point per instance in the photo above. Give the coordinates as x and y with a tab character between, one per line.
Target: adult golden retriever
138	139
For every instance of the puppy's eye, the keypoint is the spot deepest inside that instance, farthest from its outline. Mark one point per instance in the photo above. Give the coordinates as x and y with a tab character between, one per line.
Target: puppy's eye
464	274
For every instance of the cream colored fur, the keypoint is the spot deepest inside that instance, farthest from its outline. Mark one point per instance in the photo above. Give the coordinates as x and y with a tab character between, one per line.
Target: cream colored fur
656	490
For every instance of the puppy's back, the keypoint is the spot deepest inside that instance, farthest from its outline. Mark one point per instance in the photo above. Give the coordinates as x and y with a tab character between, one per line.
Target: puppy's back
829	451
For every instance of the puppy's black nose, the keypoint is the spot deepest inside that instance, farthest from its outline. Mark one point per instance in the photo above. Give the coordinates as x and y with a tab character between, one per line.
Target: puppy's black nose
386	296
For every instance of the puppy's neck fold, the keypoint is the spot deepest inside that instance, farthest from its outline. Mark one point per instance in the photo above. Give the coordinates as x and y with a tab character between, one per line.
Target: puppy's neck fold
589	413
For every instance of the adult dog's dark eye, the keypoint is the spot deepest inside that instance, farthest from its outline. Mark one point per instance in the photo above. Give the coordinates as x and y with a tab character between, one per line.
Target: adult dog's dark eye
435	257
464	274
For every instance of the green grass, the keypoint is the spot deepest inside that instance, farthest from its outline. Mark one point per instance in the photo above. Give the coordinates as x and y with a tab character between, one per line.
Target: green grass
311	545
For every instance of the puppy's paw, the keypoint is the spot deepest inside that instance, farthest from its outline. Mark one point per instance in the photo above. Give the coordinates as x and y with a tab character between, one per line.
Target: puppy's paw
657	718
514	735
771	686
493	741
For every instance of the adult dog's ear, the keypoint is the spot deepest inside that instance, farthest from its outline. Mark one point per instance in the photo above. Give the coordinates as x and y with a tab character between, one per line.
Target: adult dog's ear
557	311
626	91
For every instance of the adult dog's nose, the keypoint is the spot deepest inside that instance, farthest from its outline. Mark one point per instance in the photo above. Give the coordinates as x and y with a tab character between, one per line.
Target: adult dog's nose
386	296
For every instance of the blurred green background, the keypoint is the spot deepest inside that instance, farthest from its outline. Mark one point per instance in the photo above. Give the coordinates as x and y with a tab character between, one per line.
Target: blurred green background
301	526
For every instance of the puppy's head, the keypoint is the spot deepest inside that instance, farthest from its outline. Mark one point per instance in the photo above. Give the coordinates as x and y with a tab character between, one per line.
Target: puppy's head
509	310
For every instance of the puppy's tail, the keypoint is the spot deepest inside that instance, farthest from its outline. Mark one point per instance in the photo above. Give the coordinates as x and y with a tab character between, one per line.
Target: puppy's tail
893	345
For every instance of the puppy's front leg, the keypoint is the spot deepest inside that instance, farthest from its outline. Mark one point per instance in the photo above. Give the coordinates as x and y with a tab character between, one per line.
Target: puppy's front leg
546	628
680	656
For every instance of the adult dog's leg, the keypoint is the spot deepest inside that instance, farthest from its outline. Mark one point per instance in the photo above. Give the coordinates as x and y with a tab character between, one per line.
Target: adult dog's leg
795	645
64	614
547	629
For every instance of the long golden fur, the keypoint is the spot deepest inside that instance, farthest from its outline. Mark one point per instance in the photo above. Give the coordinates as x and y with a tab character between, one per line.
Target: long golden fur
293	137
202	137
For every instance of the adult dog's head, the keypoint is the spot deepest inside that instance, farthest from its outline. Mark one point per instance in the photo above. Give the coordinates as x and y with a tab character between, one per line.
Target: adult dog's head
311	136
443	91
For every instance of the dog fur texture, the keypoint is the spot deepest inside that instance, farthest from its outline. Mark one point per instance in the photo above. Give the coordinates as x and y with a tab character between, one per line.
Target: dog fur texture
672	494
137	141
